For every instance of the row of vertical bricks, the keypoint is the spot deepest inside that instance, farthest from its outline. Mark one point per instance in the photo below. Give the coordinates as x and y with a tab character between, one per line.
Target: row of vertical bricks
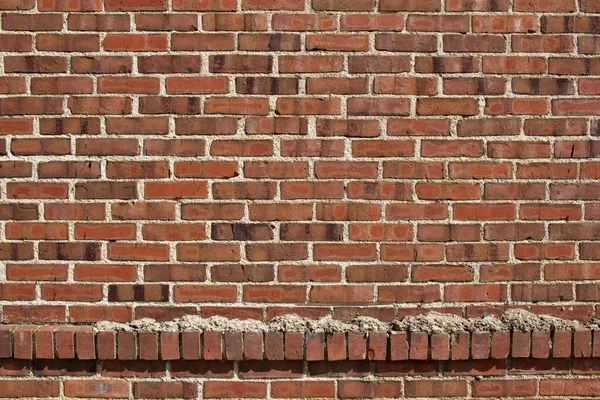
68	342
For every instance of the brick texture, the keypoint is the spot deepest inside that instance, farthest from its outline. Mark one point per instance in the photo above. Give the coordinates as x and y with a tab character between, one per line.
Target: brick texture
395	359
252	158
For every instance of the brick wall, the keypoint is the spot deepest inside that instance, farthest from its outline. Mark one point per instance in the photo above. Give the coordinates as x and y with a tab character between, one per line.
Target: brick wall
254	158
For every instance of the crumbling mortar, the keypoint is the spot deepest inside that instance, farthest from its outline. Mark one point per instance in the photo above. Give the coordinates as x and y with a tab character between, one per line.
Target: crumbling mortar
433	322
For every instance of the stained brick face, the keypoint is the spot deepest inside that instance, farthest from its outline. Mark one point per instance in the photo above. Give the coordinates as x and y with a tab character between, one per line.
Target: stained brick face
254	158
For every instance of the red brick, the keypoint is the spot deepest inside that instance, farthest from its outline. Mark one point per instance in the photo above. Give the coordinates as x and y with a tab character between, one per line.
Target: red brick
380	64
419	346
212	345
135	42
480	345
23	342
148	344
500	345
540	344
491	388
253	345
557	6
186	390
127	345
191	345
110	22
107	345
233	346
218	5
521	344
440	346
274	346
410	5
596	344
135	5
226	389
294	345
13	388
474	43
65	342
561	344
435	388
361	389
582	343
574	387
337	42
85	343
97	388
358	22
357	346
6	341
460	346
336	346
304	389
169	345
336	5
398	346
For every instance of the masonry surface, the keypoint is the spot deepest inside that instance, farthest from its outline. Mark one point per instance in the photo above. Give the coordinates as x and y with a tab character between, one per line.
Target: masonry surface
256	158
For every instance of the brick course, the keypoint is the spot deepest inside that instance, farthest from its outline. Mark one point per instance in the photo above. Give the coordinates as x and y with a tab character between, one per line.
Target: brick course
396	359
